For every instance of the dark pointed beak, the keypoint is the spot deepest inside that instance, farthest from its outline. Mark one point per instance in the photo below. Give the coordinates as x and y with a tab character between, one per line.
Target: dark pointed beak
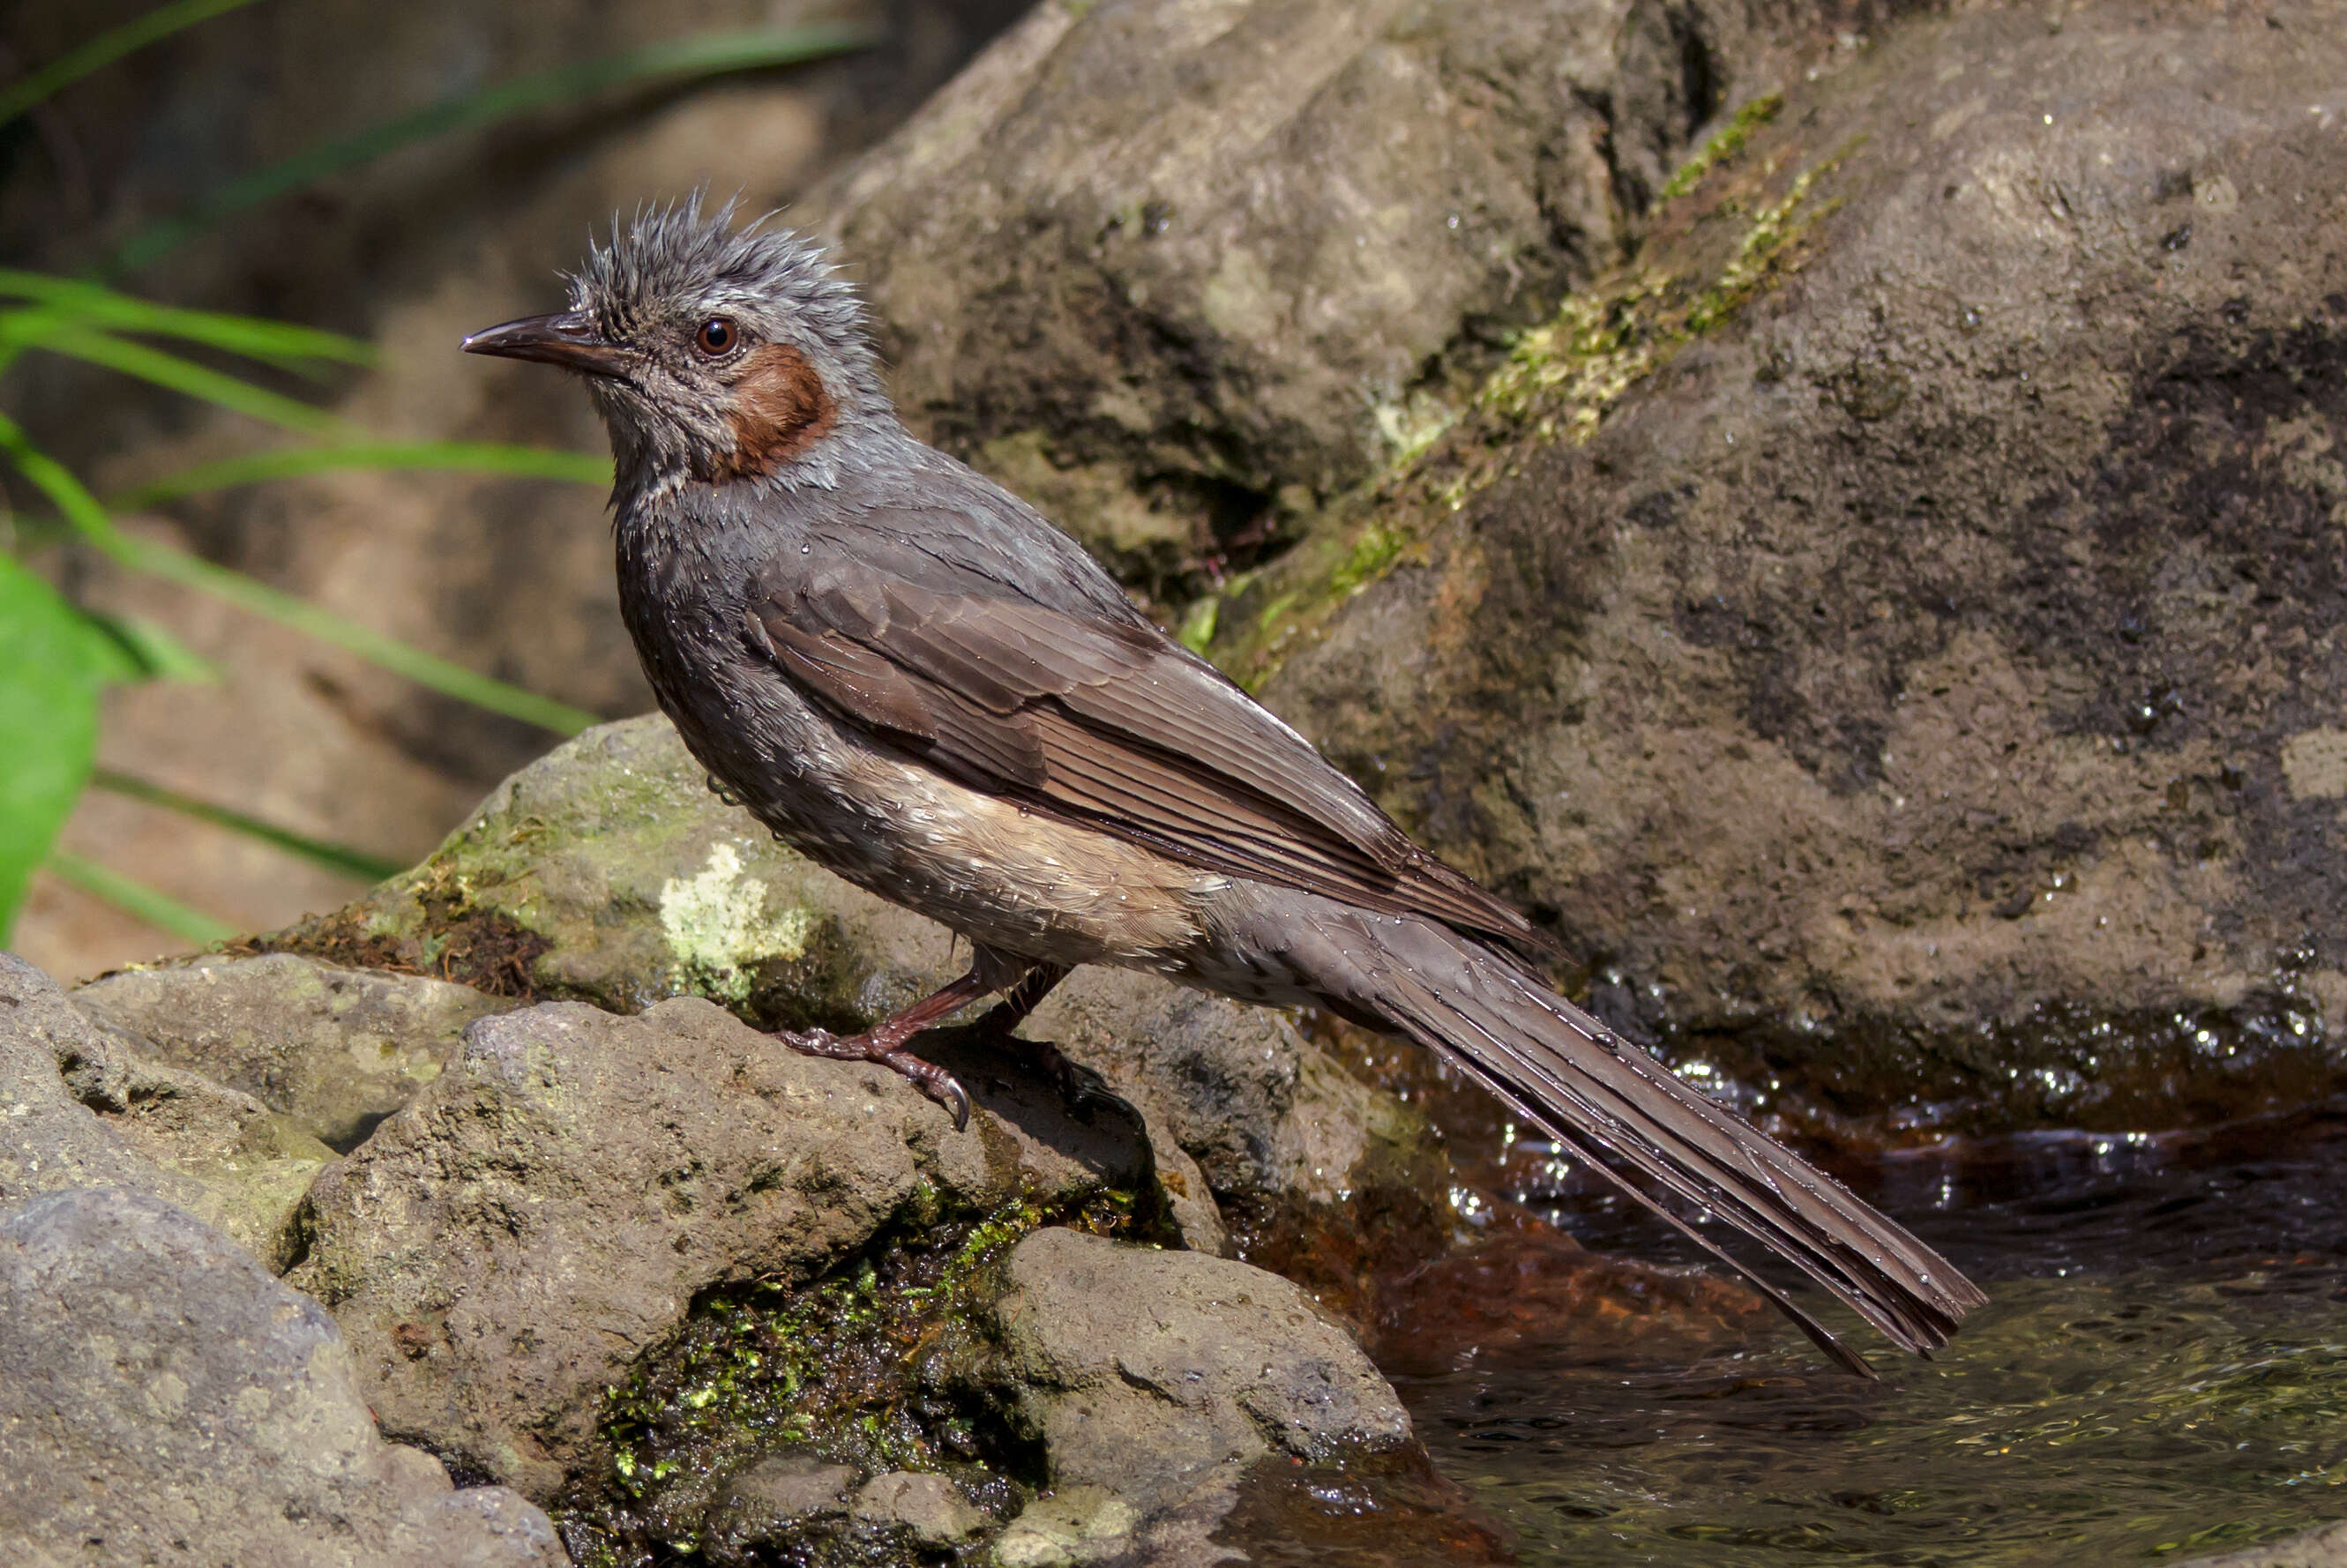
569	340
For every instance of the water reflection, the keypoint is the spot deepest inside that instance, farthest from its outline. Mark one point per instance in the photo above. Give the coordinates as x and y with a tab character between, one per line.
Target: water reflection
2162	1372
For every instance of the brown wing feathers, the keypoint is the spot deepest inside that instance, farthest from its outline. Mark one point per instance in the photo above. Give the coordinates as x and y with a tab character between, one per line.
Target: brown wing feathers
1110	725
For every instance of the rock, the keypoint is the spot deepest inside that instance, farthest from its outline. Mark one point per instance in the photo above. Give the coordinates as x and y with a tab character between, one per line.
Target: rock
164	1400
1320	1177
1076	1525
606	871
773	1502
1259	247
2323	1548
1889	624
928	1508
1157	1378
335	1050
548	1211
80	1111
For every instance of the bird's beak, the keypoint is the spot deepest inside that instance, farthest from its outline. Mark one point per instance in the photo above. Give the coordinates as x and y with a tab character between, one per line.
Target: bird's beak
569	340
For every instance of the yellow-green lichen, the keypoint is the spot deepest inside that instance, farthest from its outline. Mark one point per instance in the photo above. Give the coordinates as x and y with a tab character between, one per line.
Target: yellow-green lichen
719	929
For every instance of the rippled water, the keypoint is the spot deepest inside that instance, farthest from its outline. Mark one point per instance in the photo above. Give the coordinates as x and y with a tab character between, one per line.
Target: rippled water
2162	1372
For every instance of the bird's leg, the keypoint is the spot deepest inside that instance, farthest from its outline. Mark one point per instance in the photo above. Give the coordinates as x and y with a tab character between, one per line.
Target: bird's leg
884	1042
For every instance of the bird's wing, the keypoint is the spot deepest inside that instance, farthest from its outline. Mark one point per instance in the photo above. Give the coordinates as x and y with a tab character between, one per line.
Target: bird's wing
1101	720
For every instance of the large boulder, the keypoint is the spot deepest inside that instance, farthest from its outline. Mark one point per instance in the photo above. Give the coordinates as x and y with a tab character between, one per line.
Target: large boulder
548	1210
163	1401
681	1284
1887	629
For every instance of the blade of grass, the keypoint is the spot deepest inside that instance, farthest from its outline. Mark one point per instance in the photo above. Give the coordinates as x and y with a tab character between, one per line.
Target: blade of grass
133	897
85	304
106	48
334	857
95	524
709	54
180	375
456	457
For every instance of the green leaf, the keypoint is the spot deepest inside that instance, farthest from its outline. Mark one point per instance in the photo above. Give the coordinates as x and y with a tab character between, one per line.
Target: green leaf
336	858
95	524
708	55
25	329
149	653
105	49
457	457
133	897
51	666
82	303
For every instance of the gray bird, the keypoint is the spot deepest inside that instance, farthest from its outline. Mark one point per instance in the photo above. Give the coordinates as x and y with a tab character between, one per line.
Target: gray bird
915	680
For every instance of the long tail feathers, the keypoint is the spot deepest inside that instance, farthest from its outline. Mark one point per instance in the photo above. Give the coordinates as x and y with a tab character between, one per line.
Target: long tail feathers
1594	1090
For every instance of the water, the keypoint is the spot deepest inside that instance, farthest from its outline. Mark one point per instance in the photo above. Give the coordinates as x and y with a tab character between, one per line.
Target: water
2161	1373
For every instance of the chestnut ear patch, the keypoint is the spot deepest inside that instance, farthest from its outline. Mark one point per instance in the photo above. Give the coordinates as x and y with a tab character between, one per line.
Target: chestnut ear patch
781	408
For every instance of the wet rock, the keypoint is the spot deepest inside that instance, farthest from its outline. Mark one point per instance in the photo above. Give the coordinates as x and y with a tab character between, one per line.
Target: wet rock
166	1402
81	1111
926	1508
548	1209
1154	1379
335	1050
773	1502
1889	625
2323	1548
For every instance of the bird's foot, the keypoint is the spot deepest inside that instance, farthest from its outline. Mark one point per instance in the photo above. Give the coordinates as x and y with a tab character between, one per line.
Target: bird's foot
885	1047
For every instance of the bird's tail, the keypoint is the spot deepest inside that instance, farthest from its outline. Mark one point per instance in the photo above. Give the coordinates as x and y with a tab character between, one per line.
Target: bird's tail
1594	1090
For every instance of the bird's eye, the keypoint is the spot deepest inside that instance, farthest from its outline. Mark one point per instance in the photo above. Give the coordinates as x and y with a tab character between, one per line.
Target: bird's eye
716	336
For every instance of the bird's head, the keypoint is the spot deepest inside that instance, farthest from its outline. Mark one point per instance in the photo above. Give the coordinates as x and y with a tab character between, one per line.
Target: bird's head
715	353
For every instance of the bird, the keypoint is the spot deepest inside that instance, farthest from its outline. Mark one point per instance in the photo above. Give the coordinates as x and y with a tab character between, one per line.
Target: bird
913	678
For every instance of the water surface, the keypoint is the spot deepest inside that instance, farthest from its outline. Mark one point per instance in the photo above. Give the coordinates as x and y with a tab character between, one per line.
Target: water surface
2161	1373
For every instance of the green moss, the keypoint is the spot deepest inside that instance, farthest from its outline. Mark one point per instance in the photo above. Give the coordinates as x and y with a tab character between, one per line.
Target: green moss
1371	557
1724	145
863	1366
1560	380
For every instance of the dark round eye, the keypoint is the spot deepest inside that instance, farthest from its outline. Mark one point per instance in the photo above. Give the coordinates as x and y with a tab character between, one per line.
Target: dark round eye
716	335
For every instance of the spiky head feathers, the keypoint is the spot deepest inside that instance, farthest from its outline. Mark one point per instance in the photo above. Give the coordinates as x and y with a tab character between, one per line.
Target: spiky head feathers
738	353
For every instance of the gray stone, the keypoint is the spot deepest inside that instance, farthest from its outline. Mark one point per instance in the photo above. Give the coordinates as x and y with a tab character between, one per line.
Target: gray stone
163	1401
336	1049
1882	622
773	1500
546	1211
1070	1525
2321	1548
1256	244
929	1508
79	1110
1160	1376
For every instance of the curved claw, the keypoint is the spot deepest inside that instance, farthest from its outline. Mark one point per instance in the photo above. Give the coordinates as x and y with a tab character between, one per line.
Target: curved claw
947	1092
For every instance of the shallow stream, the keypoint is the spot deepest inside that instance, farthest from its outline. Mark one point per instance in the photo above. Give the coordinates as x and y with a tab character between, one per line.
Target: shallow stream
2161	1374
